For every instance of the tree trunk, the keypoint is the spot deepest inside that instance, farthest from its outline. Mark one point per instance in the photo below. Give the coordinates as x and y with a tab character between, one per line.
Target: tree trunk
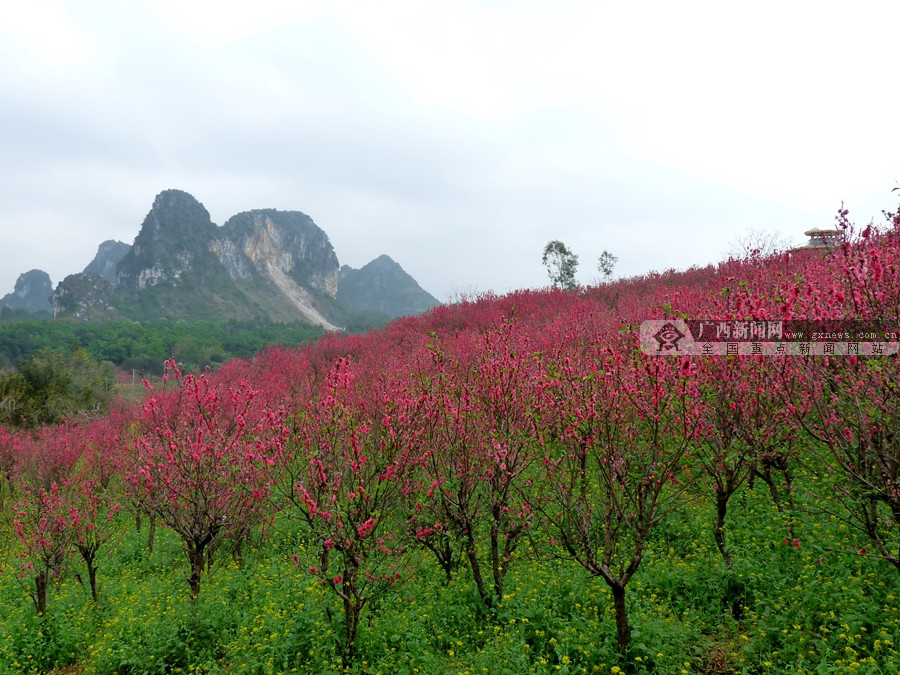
776	495
497	566
443	551
89	556
623	632
151	533
353	606
352	611
789	487
92	578
40	592
773	489
472	555
719	529
196	558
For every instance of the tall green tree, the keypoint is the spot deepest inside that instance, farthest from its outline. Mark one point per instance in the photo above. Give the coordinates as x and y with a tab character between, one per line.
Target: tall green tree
606	263
561	265
54	385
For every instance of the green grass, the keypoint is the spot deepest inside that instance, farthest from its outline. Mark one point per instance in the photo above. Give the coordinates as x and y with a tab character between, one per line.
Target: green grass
819	608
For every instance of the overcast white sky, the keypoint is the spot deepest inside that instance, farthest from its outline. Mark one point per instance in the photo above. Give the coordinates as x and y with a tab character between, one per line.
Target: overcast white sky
457	137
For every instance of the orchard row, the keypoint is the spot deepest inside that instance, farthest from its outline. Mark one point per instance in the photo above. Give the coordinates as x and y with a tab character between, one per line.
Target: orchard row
479	429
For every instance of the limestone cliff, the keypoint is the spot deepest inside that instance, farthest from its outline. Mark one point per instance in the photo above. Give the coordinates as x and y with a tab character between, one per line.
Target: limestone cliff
286	242
109	253
264	263
175	238
31	293
84	296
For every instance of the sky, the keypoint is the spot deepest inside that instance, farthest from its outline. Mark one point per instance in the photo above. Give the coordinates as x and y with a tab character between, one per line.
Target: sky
458	138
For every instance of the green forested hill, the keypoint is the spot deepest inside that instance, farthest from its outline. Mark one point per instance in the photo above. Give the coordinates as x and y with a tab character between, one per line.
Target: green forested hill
144	346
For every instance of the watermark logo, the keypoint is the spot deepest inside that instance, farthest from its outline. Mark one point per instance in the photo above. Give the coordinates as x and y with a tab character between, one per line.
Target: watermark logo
712	337
668	336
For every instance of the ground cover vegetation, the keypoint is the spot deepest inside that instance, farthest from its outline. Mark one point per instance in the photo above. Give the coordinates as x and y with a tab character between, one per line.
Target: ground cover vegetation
503	485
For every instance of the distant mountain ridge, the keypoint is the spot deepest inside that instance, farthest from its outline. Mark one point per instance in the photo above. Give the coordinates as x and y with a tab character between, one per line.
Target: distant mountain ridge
108	256
31	293
262	263
383	286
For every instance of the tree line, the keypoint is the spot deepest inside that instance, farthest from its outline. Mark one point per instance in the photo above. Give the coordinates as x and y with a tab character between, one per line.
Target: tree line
562	264
145	346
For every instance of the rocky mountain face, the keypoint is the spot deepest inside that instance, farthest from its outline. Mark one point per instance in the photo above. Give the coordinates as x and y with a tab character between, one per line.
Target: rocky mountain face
260	264
109	253
175	238
84	296
382	285
31	293
281	243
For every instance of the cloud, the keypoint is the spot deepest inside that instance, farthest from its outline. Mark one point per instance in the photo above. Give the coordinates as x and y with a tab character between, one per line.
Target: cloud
458	139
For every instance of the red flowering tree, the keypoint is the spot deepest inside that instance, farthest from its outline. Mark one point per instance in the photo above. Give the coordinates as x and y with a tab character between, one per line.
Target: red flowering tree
855	416
41	523
481	437
850	405
94	492
617	435
202	462
345	476
9	442
744	432
48	456
63	475
46	459
91	519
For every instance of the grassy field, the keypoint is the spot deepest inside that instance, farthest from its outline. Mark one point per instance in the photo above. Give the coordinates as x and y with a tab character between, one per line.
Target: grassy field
803	595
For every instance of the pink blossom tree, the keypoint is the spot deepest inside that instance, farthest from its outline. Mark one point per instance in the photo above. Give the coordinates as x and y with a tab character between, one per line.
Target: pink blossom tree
46	459
202	463
481	438
42	526
744	431
850	405
345	476
618	433
93	491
